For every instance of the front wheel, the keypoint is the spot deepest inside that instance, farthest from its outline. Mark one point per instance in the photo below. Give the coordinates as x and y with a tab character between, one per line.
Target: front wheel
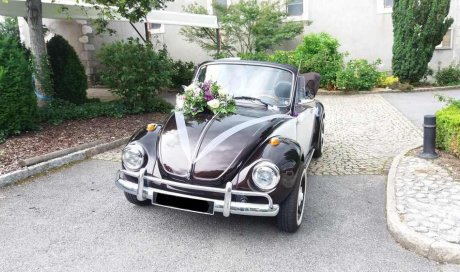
291	211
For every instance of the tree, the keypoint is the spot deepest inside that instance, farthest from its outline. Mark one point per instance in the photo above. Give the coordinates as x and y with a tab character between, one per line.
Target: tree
10	28
43	80
246	27
133	10
70	81
418	27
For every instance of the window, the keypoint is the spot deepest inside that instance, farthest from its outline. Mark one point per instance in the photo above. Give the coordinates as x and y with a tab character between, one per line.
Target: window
155	28
384	6
295	8
387	3
446	41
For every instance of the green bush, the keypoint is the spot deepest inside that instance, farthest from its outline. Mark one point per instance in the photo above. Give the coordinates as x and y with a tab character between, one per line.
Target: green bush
182	73
60	110
448	76
448	129
135	71
18	104
261	56
359	75
70	81
320	53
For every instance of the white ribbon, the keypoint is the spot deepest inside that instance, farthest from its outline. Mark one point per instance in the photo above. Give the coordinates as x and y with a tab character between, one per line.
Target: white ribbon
228	133
183	135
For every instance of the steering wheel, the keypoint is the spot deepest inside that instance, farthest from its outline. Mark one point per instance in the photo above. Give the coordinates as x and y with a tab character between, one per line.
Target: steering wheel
272	97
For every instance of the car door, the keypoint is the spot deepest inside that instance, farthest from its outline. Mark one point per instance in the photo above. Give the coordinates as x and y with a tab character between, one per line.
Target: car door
304	110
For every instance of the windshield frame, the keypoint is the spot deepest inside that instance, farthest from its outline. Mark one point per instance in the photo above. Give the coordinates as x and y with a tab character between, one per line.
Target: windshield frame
293	83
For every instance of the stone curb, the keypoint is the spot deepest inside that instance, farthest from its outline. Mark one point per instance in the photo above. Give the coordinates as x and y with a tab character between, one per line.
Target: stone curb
383	91
13	177
439	251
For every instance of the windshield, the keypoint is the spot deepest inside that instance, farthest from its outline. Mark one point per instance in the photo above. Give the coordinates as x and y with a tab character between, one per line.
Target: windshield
269	85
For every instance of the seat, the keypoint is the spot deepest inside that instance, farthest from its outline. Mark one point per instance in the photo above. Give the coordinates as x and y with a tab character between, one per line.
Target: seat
283	89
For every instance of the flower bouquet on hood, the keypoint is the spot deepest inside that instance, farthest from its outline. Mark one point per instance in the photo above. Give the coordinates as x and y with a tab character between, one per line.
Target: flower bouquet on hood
199	97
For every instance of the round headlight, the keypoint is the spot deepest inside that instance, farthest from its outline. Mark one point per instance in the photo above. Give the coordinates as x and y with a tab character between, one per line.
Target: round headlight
133	156
265	175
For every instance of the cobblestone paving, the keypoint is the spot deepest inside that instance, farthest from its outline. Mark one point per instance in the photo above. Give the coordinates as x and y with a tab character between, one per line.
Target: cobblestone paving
363	134
428	199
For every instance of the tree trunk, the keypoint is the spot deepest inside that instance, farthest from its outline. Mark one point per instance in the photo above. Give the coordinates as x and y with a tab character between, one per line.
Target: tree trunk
37	45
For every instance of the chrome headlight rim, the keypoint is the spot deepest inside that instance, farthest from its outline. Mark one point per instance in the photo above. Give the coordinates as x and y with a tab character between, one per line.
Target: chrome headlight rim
136	147
273	167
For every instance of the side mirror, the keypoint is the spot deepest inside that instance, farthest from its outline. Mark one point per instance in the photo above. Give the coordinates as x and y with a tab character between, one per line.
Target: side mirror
312	83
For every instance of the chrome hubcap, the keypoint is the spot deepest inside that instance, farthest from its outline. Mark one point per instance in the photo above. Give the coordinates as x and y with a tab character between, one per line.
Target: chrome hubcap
322	136
301	197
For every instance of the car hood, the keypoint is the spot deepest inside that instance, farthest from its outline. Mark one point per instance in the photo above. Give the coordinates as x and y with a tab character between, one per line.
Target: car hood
210	148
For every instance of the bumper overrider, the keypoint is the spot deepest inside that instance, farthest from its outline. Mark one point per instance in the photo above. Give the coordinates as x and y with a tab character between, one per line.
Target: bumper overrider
225	205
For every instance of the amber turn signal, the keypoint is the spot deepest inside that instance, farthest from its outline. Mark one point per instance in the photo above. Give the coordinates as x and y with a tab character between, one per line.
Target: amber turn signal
151	127
275	141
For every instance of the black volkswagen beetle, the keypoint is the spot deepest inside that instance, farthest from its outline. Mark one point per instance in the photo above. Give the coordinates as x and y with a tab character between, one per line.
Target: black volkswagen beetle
251	162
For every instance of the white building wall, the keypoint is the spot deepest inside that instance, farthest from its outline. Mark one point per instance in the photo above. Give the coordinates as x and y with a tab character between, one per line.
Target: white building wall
363	27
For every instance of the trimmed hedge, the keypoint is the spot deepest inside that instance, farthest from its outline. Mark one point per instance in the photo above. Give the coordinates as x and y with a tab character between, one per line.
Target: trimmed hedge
448	129
59	111
70	81
18	104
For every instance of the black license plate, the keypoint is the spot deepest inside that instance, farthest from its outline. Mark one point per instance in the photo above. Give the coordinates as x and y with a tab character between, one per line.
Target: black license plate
186	204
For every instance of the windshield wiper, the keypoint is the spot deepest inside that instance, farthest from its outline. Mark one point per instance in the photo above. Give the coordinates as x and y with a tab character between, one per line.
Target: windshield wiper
252	99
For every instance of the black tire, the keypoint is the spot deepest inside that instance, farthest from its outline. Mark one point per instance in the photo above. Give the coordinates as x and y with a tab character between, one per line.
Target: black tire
288	215
320	143
133	199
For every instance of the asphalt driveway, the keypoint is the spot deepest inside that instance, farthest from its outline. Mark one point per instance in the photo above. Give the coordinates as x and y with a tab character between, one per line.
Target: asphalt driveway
415	105
76	220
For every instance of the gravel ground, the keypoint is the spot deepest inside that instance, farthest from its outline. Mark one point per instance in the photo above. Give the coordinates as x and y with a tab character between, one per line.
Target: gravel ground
69	134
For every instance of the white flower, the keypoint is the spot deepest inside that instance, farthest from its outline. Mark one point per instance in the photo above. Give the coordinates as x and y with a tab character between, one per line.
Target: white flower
197	91
191	87
180	100
222	92
214	104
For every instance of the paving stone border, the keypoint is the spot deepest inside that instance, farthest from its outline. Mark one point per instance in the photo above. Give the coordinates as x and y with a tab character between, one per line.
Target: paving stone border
84	153
430	247
382	91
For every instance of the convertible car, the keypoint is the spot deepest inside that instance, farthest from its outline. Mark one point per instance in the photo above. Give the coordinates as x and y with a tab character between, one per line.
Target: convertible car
252	161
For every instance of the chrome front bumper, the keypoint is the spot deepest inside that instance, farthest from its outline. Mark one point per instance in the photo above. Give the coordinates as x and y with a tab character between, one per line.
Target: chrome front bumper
226	206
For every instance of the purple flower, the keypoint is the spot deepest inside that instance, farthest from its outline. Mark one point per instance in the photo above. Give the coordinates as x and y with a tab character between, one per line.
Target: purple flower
207	91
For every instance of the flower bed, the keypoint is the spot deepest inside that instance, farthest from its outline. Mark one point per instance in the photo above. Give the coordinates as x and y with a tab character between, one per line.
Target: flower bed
69	134
448	129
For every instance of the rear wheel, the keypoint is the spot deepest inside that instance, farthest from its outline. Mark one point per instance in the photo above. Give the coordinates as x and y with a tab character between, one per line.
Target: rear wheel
319	145
291	211
133	199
